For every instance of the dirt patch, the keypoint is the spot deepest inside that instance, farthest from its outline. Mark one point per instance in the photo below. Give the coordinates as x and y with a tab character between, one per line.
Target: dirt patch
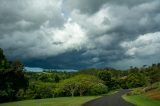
155	94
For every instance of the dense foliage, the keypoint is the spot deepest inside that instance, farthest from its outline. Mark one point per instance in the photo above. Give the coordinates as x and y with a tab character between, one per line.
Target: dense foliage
12	78
83	85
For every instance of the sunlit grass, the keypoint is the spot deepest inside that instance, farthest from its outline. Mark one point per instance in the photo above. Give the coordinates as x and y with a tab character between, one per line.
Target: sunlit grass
62	101
141	100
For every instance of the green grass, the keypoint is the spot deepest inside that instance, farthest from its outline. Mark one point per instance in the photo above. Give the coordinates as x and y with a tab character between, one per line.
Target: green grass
111	93
62	101
140	100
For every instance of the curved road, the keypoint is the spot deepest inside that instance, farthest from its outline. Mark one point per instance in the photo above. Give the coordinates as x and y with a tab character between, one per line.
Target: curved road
111	100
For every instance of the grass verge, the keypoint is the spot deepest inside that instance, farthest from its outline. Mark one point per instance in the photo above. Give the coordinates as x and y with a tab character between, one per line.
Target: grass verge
141	100
62	101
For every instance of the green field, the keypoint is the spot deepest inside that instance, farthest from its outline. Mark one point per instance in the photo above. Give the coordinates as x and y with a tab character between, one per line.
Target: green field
141	100
62	101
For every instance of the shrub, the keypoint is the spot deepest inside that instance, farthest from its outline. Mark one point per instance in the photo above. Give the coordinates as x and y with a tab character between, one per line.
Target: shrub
98	89
39	90
136	80
153	86
136	91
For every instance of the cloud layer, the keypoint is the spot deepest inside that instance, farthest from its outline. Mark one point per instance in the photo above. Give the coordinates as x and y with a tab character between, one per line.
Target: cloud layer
81	33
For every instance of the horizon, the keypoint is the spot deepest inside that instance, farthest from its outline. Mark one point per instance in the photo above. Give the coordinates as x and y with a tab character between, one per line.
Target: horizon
81	34
39	69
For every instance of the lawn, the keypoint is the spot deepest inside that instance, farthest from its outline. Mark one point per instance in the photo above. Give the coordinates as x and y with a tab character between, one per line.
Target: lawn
141	100
62	101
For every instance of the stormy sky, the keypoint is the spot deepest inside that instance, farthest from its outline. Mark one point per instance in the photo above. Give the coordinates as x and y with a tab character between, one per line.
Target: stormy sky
77	34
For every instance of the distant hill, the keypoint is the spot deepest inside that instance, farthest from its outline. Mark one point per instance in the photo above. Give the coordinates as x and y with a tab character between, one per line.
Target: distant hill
38	69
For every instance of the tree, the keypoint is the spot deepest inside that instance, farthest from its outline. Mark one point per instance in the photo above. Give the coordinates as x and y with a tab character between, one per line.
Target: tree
69	85
3	61
80	84
106	77
98	89
84	83
57	79
44	77
136	80
12	78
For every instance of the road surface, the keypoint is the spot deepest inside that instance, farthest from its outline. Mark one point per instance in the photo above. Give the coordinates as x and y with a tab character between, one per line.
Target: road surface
111	100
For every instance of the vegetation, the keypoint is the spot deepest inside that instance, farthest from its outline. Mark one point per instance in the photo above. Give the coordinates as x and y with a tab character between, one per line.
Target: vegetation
83	85
62	101
12	78
144	96
141	100
18	84
154	94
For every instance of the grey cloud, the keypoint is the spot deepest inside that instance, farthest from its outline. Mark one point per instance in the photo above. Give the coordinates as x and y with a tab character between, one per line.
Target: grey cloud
123	24
33	11
41	43
30	27
85	6
144	45
92	6
79	33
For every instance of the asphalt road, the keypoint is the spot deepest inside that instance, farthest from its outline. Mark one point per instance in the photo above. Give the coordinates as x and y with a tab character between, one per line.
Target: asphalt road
111	100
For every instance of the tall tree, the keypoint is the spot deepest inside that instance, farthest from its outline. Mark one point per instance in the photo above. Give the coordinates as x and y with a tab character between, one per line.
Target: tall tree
3	61
12	78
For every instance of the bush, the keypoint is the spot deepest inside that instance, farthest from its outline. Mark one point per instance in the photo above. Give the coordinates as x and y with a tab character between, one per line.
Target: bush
136	91
136	80
156	85
44	92
153	86
98	89
39	90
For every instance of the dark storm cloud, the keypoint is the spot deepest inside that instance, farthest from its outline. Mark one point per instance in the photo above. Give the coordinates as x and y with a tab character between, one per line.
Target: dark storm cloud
92	6
80	34
28	14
